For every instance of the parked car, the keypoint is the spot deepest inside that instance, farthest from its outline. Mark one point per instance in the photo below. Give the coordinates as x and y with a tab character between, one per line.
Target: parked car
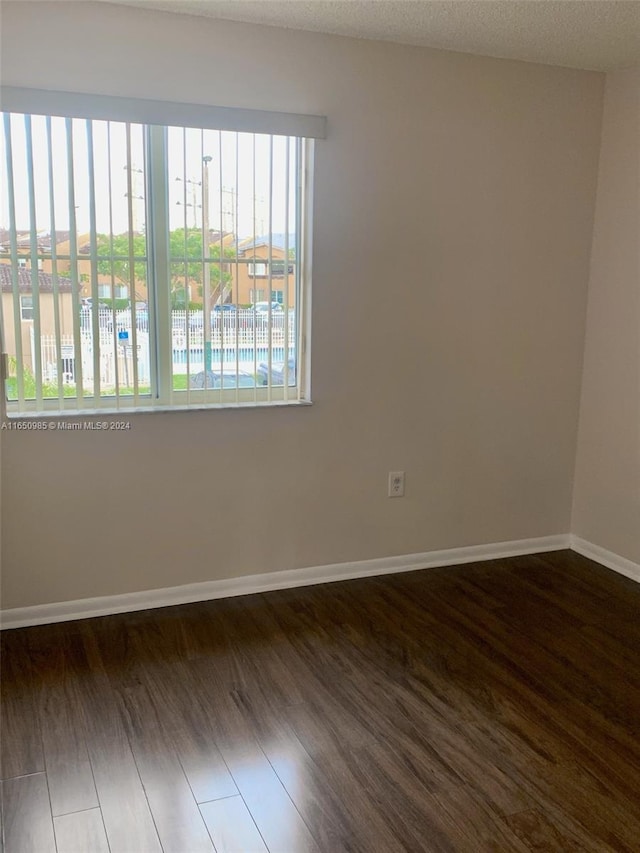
196	320
105	317
231	316
277	372
142	319
228	378
87	302
124	319
263	307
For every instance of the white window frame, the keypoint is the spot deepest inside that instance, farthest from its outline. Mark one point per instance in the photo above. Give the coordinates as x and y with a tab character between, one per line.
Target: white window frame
157	116
24	307
257	269
120	291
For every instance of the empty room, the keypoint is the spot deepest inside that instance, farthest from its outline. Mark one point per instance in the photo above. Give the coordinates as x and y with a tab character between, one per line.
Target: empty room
320	428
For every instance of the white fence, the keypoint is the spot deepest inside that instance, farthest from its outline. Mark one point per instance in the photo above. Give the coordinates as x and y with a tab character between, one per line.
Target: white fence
115	359
244	336
222	321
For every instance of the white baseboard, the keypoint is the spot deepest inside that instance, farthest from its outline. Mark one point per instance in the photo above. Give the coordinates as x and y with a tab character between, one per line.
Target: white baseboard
65	611
606	558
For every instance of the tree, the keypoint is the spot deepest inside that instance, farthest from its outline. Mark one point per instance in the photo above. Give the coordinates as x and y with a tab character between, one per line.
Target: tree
119	246
185	250
187	246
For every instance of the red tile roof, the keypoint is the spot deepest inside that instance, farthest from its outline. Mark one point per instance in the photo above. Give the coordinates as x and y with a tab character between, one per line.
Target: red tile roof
45	281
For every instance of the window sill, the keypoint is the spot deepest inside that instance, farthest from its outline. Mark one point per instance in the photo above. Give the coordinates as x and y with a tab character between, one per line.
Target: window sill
146	410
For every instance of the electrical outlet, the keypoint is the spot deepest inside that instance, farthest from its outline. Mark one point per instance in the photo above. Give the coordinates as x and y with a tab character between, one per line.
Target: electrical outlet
396	484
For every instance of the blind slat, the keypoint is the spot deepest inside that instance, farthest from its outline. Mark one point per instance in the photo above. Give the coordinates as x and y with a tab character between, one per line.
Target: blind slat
54	265
17	326
73	249
35	281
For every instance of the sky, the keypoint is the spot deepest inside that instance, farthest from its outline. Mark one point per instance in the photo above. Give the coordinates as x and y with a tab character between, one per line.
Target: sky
240	173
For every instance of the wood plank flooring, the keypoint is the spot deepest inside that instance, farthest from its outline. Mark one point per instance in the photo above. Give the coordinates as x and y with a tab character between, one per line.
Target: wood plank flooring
486	707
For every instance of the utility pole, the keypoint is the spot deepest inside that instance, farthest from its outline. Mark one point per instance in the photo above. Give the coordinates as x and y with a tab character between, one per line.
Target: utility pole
192	204
136	195
206	272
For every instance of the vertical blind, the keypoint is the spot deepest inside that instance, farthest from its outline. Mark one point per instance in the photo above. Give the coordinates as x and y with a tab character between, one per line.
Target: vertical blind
143	249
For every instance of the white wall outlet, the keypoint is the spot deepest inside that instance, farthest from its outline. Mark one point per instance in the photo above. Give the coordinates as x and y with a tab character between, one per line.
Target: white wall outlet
396	484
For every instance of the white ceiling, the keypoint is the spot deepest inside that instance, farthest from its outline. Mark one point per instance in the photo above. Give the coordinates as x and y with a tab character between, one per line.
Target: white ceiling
592	34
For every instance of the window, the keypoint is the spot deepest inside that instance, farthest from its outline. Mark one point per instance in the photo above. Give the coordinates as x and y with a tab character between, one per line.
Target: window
257	269
131	237
120	291
261	269
26	307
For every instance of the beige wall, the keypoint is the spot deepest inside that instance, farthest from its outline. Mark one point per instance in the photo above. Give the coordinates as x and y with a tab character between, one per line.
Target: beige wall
244	284
606	507
453	218
47	322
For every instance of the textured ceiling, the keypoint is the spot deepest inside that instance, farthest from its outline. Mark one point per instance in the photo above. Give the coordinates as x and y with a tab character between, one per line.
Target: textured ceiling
591	34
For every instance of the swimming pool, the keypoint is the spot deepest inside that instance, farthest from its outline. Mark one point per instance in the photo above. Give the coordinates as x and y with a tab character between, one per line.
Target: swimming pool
229	355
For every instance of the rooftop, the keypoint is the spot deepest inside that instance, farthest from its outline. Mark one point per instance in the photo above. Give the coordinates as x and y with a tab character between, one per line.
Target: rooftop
25	282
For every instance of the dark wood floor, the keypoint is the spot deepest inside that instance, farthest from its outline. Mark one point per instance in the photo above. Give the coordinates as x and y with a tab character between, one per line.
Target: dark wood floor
488	707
